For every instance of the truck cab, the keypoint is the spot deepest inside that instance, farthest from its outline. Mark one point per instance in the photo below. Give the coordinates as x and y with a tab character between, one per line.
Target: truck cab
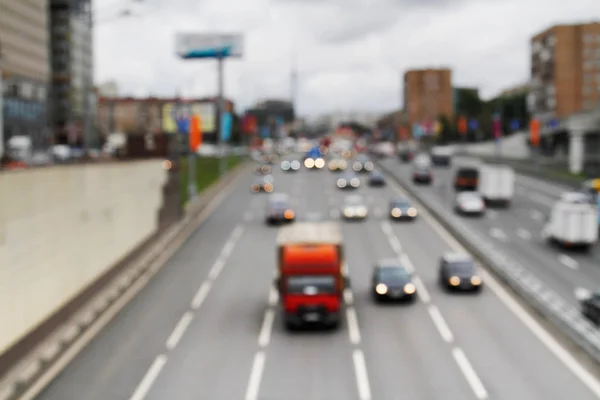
311	276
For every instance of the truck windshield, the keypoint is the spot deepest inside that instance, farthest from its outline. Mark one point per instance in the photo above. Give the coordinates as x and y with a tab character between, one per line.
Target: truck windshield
311	284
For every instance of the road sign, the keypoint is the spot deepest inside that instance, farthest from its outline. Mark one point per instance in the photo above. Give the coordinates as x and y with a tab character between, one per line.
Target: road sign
202	45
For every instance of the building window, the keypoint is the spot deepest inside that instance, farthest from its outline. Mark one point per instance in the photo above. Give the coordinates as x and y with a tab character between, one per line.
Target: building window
551	40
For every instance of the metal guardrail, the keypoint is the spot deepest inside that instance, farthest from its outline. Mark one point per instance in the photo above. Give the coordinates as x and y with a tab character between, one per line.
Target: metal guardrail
545	301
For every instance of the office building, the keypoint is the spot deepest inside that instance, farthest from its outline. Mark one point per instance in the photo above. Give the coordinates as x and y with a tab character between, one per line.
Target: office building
565	71
25	69
428	94
73	96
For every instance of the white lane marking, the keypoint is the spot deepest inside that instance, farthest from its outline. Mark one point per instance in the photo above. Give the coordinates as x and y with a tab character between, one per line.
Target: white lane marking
179	330
523	234
421	290
258	365
536	215
144	387
408	265
582	293
228	248
499	234
542	334
492	214
362	378
568	261
470	374
273	296
542	199
353	330
237	232
265	331
386	227
201	294
248	216
334	214
395	243
440	324
348	297
216	269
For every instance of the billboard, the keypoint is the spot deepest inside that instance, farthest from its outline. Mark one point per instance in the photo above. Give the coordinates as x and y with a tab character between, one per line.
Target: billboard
175	116
203	45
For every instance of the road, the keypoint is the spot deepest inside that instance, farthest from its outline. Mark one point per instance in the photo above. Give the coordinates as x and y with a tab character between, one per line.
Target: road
518	230
207	326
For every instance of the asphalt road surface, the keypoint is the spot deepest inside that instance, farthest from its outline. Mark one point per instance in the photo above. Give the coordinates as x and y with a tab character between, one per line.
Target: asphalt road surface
208	326
518	230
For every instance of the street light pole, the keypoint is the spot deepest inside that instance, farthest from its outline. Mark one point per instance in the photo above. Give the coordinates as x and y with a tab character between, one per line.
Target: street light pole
220	113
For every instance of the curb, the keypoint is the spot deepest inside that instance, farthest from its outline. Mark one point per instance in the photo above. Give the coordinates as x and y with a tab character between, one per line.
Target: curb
48	353
525	284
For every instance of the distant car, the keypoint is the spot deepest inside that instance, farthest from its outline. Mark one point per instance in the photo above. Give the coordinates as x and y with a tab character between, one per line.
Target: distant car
362	163
406	155
422	175
263	169
466	178
422	160
355	207
262	184
270	158
391	281
590	306
348	181
402	209
337	164
469	203
441	156
457	272
290	166
314	163
376	179
279	209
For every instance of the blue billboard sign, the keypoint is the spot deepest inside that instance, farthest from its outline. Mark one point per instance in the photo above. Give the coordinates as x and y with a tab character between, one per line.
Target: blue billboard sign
202	45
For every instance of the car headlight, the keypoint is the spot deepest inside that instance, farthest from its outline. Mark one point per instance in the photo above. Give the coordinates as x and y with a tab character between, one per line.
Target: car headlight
348	212
475	280
409	288
396	212
255	188
288	214
309	163
343	164
319	163
454	281
411	212
355	182
357	166
381	288
341	183
369	166
268	188
295	165
361	211
285	165
331	165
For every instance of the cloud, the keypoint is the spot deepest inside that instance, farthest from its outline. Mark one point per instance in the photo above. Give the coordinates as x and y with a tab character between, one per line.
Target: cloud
350	54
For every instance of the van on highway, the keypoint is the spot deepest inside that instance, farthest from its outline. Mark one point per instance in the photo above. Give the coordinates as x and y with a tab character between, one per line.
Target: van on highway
466	178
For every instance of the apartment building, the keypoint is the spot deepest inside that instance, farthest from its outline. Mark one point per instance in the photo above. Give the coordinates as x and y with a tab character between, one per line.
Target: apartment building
73	95
25	69
565	70
428	93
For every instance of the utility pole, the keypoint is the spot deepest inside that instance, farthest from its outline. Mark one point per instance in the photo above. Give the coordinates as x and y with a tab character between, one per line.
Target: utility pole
1	107
220	113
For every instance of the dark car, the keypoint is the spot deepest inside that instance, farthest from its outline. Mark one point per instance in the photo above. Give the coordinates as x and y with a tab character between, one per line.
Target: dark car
457	272
391	281
279	209
348	181
406	155
262	184
402	209
466	178
362	163
290	166
422	175
262	169
590	306
376	179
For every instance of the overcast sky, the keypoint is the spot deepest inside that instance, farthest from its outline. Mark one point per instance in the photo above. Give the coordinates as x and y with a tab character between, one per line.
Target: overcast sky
350	53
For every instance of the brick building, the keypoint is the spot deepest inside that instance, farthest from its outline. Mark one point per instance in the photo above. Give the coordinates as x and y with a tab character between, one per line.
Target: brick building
428	94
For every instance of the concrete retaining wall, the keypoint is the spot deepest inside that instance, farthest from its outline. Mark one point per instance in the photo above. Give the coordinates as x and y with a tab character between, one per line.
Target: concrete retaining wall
63	227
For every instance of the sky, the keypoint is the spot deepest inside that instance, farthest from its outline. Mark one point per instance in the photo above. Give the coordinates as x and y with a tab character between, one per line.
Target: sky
350	54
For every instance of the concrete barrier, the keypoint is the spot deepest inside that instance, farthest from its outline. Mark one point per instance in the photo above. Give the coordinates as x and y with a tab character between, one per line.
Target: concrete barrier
61	228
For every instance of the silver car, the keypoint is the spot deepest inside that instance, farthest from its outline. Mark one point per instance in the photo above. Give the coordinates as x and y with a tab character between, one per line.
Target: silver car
469	203
355	207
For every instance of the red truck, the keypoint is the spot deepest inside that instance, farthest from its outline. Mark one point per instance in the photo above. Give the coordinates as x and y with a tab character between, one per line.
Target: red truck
311	274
